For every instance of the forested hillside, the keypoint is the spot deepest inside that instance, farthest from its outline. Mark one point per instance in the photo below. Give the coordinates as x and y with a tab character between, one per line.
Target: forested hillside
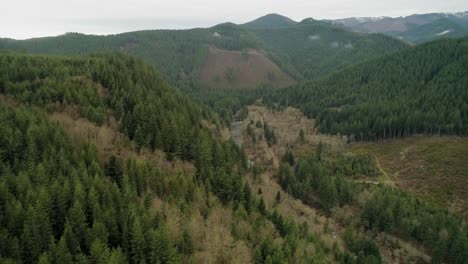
439	29
312	49
416	28
270	21
177	54
104	160
67	199
306	50
421	90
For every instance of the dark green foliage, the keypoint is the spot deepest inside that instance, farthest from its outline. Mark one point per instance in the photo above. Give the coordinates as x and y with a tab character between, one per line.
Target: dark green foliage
261	206
356	165
367	251
251	133
364	249
149	111
55	200
421	90
269	134
396	212
228	102
186	243
259	124
324	176
58	206
278	197
114	170
270	21
288	157
247	199
312	49
302	136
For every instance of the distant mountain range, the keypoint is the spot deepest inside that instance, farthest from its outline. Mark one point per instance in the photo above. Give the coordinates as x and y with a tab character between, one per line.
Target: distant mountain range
415	28
281	51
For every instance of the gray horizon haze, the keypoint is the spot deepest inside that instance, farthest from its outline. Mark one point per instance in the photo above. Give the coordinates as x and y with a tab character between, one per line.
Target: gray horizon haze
23	19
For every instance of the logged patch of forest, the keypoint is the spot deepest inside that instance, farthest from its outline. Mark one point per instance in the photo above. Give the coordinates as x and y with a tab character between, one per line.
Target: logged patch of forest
421	90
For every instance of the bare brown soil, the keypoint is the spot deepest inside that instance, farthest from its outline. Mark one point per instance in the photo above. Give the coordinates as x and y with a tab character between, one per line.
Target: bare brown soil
224	69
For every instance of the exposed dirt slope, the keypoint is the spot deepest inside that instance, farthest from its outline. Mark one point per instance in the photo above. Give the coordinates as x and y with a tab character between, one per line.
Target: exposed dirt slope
225	69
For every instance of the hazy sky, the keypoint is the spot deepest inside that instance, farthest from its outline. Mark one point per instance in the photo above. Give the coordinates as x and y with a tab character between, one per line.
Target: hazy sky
34	18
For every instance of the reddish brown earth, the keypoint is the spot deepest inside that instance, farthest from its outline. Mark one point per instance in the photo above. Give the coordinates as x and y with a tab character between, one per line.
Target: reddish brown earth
224	69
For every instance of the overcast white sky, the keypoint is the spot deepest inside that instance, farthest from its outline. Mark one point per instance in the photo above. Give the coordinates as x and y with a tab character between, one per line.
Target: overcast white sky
22	19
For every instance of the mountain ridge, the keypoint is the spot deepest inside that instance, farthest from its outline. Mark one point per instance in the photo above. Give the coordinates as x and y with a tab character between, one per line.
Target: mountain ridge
181	54
272	20
413	28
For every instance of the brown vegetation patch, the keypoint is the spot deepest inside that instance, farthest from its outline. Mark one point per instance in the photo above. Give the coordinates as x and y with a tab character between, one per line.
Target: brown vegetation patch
287	126
434	167
224	69
324	227
109	141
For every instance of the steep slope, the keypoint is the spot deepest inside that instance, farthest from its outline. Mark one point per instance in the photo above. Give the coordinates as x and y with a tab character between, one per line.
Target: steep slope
418	90
224	69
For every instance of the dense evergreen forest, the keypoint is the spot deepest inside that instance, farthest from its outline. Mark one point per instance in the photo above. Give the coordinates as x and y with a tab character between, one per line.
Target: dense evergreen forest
148	110
431	31
64	201
313	49
57	206
421	90
60	203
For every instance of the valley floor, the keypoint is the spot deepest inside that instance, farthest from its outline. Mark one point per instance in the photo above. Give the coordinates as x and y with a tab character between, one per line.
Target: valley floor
433	168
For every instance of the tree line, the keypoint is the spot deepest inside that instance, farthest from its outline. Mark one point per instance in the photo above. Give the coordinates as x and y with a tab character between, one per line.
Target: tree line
421	90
